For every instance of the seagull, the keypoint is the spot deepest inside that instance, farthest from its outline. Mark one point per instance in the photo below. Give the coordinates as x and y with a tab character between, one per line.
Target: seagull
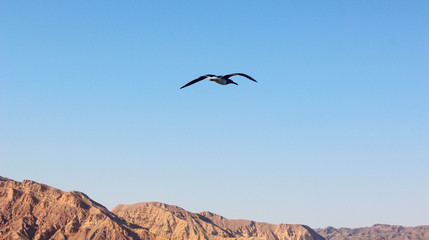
222	79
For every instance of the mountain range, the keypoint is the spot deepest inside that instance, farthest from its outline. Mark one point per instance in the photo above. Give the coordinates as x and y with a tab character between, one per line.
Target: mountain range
377	231
30	210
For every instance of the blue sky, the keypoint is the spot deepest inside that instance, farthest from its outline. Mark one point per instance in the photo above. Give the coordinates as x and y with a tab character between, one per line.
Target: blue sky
335	132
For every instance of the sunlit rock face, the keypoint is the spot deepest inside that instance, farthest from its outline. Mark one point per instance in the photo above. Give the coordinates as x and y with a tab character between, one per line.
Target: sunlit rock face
172	222
30	210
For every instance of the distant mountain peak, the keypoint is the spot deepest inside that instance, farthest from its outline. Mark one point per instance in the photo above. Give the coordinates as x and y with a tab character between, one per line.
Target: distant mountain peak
377	231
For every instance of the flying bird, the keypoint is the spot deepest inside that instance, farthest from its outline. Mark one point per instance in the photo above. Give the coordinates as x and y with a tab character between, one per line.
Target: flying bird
222	79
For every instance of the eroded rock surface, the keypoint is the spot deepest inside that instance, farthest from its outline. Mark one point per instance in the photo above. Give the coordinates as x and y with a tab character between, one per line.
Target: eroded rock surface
172	222
378	231
29	210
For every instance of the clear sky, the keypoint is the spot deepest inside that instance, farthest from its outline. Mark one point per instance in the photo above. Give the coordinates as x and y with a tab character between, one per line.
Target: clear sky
335	132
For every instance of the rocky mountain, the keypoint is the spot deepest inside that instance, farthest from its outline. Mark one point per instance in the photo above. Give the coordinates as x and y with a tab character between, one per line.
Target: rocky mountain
171	222
378	231
29	210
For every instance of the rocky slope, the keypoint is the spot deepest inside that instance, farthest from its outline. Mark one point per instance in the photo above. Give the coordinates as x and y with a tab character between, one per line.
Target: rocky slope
30	210
171	222
378	231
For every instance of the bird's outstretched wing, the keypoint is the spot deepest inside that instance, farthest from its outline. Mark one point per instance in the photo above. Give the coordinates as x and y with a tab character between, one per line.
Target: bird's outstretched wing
198	79
240	74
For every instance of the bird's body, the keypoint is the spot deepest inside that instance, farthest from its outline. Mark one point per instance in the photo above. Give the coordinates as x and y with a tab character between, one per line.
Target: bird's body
219	80
222	79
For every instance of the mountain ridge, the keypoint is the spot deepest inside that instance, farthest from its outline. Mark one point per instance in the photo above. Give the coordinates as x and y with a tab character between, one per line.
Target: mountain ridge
177	223
377	231
30	210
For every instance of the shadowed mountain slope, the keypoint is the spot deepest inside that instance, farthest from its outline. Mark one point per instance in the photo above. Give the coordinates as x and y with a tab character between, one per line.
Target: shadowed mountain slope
378	231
